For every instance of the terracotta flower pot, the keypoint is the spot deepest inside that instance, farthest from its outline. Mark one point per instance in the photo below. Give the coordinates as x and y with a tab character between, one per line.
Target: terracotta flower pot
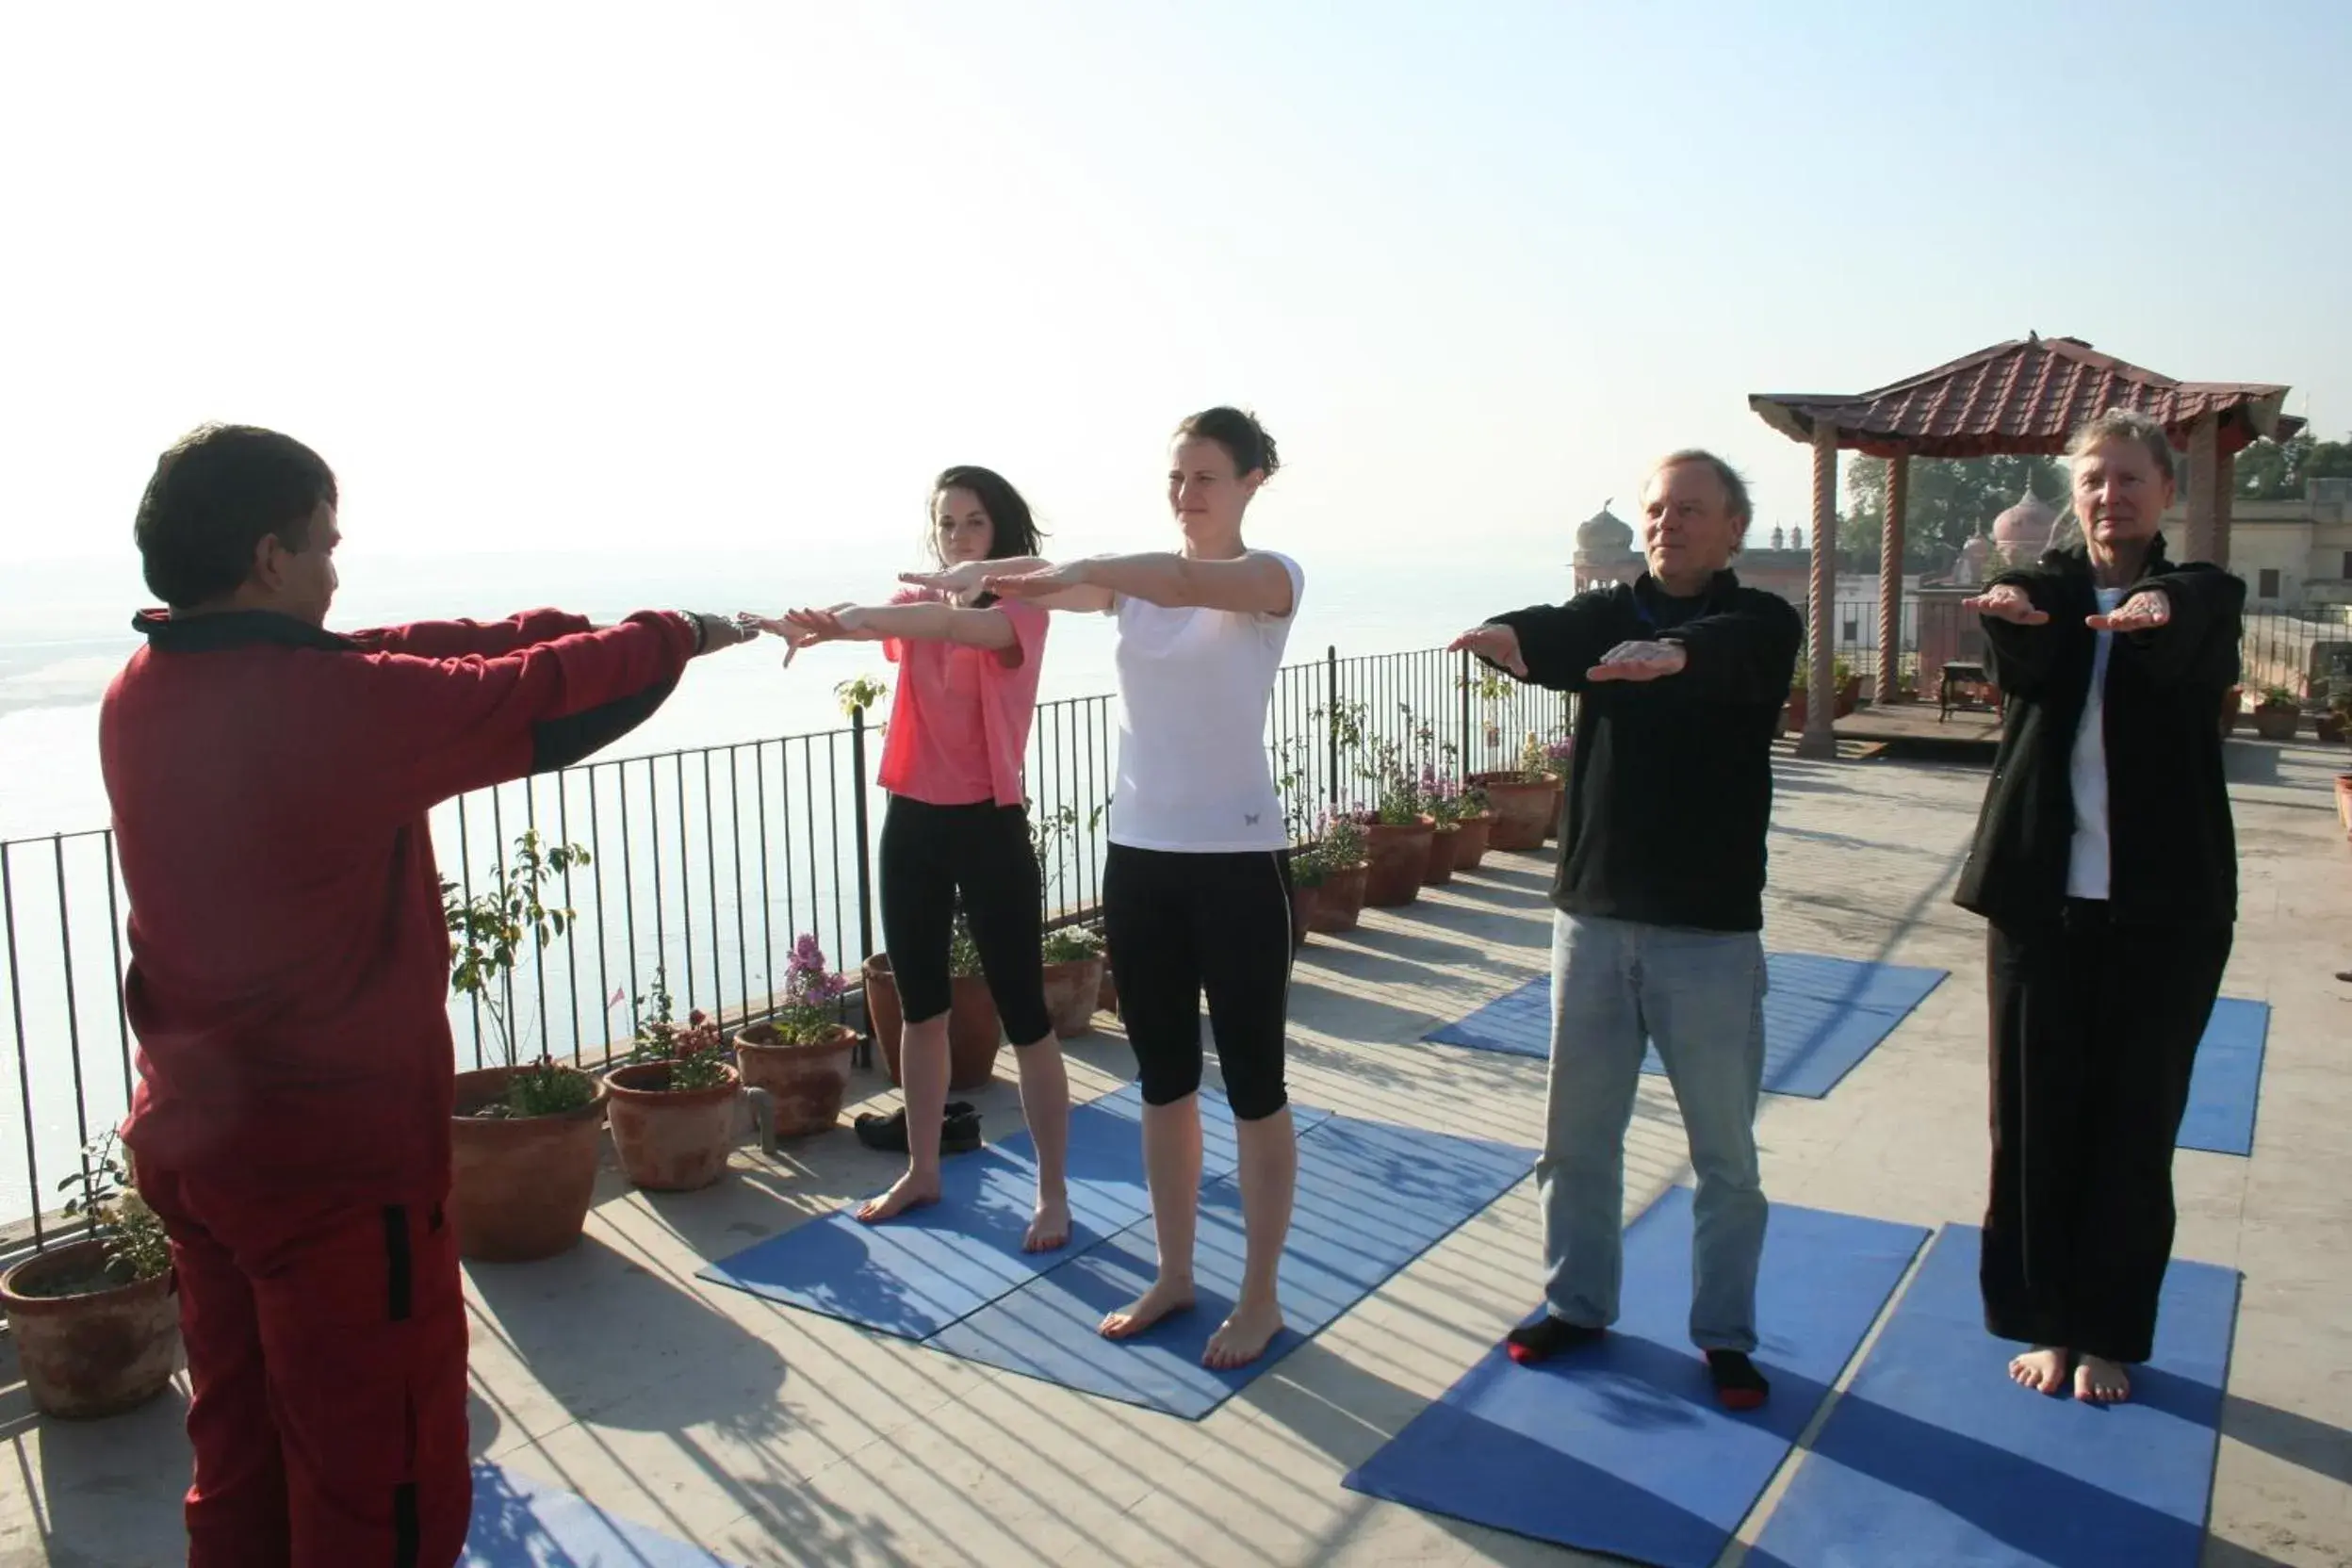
1339	900
807	1083
98	1352
1560	800
521	1186
1470	843
2343	802
1523	809
1073	993
1399	857
1106	1001
1443	843
2277	724
1849	697
2328	728
2232	708
671	1141
1303	898
975	1035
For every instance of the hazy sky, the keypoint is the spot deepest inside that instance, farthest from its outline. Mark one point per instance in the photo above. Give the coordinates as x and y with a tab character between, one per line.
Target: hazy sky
634	279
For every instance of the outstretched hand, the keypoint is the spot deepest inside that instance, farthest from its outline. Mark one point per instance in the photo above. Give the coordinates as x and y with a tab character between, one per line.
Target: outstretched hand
2006	602
2143	612
1495	643
1640	661
802	629
962	578
1037	584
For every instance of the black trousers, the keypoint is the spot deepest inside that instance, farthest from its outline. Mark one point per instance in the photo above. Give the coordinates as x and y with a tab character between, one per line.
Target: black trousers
932	856
1183	926
2095	1028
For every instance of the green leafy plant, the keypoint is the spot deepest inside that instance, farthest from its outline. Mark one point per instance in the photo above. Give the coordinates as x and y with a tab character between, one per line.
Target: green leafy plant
1338	844
2277	699
859	696
490	931
1071	945
127	1231
694	1051
1541	760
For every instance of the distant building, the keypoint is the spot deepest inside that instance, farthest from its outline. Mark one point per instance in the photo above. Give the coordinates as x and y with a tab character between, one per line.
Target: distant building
1605	552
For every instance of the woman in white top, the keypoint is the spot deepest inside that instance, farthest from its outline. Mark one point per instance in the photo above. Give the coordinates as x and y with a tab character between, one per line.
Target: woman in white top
1196	892
2106	865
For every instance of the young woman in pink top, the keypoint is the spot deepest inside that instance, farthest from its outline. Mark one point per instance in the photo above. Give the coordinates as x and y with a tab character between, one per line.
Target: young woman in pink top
957	825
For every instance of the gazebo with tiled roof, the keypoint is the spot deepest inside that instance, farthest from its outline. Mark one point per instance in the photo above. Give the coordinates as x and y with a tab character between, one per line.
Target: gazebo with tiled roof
2020	397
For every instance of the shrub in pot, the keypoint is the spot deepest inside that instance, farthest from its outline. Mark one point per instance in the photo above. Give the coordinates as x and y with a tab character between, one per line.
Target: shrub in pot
800	1054
524	1145
1333	869
1474	818
1073	979
2278	715
672	1105
97	1321
1442	801
2329	725
974	1034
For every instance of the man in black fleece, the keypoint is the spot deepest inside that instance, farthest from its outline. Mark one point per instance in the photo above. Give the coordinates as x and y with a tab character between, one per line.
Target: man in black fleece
1682	675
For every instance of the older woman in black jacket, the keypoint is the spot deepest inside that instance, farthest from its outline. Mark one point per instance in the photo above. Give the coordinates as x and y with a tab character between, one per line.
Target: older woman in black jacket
2106	864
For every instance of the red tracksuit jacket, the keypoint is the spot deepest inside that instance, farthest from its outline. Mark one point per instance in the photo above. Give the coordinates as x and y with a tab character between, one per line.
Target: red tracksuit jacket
289	963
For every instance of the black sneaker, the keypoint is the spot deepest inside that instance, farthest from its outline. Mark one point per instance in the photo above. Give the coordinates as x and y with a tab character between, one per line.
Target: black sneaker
889	1132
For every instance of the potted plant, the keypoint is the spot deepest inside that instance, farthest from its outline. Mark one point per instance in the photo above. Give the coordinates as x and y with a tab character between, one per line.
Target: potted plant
1473	819
1397	831
2232	709
1525	799
974	1034
97	1321
673	1102
1074	969
799	1054
2277	716
1333	870
2329	722
1441	799
527	1133
1848	686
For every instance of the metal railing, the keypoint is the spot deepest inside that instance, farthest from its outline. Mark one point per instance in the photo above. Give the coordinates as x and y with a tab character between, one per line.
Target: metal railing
704	867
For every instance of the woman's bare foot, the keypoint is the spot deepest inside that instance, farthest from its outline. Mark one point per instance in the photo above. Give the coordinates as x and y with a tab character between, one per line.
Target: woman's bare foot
1163	1300
2043	1368
1049	1227
909	1191
1243	1337
2101	1382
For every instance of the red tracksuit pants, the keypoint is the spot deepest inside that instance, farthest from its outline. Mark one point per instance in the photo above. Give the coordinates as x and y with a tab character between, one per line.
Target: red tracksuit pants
326	1348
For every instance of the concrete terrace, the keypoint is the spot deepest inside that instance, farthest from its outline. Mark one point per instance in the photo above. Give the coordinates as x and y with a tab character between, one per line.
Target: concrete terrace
774	1436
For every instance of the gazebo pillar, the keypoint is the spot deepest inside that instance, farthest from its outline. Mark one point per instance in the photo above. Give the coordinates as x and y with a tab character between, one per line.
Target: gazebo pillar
1820	739
2225	485
2204	542
1891	578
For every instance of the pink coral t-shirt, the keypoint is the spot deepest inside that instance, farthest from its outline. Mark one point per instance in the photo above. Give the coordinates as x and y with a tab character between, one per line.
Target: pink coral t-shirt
959	720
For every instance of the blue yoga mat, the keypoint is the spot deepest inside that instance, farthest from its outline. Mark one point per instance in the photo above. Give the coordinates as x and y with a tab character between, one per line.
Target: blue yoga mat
1371	1199
1821	1015
924	1270
1934	1456
2227	1082
1621	1447
518	1523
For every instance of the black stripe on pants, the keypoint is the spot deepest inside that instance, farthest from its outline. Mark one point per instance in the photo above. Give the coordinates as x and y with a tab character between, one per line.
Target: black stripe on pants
2095	1028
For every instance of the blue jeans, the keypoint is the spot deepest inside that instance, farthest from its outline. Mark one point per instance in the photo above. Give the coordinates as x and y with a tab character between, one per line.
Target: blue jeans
1699	995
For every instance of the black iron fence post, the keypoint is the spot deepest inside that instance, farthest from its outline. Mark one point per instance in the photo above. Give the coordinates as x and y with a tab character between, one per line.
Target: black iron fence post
1330	724
1462	766
860	828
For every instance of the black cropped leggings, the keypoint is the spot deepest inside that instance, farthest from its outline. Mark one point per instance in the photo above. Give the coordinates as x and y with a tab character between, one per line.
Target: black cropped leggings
930	854
1180	924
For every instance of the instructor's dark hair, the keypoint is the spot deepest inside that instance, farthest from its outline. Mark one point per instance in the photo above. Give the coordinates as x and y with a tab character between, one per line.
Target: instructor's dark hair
1243	439
216	495
1012	531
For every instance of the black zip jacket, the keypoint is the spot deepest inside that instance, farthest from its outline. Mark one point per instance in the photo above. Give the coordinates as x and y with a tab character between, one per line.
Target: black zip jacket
1670	786
2172	851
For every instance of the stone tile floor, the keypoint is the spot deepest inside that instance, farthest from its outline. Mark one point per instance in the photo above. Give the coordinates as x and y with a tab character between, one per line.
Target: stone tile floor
773	1436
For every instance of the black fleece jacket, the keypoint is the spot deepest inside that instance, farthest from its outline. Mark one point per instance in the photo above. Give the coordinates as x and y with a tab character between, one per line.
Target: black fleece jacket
2172	849
1670	786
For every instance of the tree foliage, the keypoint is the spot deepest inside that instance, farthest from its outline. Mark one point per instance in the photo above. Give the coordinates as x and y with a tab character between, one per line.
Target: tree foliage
1950	501
2276	470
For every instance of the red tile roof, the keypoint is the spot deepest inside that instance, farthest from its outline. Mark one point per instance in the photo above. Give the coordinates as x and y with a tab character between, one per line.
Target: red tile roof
2022	397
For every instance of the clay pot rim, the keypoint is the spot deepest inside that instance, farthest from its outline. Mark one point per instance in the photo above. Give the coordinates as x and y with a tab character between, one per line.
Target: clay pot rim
842	1039
55	1257
1067	964
710	1092
579	1113
1419	824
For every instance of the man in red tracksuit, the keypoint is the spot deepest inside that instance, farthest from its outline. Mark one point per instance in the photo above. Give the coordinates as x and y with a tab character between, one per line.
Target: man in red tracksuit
288	983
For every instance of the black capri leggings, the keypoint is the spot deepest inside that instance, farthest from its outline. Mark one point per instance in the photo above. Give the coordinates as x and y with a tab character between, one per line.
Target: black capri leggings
1179	925
930	854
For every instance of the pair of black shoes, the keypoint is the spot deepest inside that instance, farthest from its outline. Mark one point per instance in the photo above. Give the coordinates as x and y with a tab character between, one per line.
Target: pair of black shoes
959	1135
